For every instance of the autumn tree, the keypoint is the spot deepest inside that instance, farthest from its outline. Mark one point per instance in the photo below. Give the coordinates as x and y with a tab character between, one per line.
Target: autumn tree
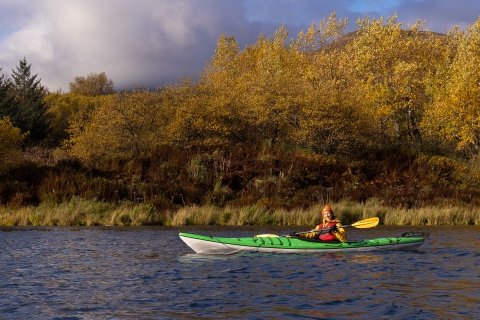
392	63
122	124
252	92
61	108
186	117
332	120
329	119
226	113
10	144
92	85
454	114
28	112
273	87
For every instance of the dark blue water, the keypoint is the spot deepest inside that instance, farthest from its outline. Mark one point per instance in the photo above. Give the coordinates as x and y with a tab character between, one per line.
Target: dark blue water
149	273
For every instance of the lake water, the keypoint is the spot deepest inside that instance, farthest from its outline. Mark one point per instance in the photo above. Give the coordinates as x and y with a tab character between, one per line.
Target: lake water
149	273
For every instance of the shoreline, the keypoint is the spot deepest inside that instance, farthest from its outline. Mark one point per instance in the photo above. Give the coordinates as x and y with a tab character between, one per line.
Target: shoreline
83	212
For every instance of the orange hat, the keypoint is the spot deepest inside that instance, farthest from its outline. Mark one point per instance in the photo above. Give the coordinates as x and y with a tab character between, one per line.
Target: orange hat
327	208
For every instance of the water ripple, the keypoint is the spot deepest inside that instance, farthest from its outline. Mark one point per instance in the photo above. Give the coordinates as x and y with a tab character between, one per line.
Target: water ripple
149	273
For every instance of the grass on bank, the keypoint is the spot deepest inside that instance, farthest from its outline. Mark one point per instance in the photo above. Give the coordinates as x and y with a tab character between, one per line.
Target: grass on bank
83	212
79	212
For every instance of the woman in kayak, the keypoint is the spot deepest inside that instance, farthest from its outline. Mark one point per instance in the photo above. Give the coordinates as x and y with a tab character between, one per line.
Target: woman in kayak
328	228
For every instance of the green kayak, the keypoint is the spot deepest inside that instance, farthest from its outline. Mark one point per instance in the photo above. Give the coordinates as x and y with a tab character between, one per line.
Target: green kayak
285	244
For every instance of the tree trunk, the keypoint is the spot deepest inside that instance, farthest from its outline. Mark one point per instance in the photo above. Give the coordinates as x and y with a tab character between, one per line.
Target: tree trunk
398	131
412	126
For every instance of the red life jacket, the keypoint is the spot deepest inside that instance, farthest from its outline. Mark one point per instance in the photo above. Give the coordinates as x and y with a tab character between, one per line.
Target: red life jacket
327	236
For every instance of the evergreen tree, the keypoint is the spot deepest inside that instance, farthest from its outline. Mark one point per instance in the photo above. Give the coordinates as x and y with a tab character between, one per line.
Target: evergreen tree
6	98
29	108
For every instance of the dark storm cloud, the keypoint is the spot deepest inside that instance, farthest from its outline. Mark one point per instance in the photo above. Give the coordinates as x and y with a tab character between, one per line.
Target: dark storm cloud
440	15
152	42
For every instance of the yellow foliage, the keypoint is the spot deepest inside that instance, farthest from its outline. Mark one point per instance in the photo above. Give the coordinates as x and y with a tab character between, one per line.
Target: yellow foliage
295	91
392	84
120	124
61	108
454	113
11	139
393	63
331	118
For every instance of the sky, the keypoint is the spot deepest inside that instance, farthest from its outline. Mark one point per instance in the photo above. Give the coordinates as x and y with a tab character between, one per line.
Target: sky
154	42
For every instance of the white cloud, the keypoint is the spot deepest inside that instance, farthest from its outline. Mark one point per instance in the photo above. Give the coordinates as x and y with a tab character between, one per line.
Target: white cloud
133	42
32	39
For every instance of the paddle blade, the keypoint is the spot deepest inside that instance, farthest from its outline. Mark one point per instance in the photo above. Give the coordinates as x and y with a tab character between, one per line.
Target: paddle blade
367	223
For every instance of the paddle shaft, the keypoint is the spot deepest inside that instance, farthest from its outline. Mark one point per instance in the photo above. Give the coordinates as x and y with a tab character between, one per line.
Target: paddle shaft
367	223
325	231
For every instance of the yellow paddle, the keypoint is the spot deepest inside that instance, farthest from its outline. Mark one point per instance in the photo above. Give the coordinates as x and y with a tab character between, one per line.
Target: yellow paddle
367	223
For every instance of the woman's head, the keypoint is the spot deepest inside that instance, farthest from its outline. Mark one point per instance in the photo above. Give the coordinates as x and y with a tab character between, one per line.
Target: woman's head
328	213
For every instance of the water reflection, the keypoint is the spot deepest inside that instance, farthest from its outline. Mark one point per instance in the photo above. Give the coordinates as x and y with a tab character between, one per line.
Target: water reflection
365	258
205	258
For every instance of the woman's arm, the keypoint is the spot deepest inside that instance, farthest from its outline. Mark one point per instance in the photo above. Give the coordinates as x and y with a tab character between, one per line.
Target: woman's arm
340	234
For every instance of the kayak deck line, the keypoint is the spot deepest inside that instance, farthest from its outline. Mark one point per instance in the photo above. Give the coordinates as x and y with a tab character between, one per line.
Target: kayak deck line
221	245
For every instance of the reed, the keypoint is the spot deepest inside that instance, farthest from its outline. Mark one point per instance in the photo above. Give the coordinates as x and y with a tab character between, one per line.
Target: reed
80	212
195	215
435	215
347	212
83	212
